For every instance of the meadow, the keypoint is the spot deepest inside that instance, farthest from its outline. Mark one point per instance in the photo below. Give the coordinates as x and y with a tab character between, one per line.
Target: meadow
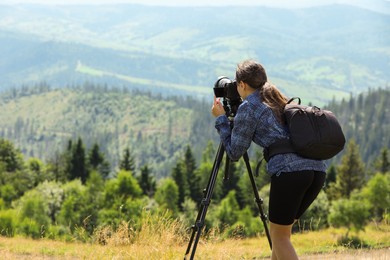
169	239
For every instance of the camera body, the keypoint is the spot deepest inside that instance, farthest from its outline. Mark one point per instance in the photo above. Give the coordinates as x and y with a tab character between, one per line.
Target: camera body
227	89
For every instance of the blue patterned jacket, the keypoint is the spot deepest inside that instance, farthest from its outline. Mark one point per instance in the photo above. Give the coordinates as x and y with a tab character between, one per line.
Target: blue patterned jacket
255	121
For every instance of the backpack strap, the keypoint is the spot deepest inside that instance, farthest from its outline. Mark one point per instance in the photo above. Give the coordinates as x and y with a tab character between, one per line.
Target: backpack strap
279	147
294	98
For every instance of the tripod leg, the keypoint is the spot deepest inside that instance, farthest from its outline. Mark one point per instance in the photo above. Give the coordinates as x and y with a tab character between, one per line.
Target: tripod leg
208	192
259	201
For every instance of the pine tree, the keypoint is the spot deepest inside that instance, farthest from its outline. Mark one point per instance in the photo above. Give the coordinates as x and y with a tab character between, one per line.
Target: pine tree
351	172
193	179
147	182
97	161
382	164
78	167
58	166
178	175
70	145
10	156
95	158
331	175
67	156
127	162
208	153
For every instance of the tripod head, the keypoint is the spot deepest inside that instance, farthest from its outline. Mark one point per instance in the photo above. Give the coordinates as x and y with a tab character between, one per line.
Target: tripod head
231	107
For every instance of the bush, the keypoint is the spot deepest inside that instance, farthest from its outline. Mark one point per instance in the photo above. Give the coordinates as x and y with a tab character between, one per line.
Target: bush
238	230
7	223
316	215
350	213
7	193
227	211
57	232
386	218
352	242
377	193
31	228
241	229
253	225
33	206
109	217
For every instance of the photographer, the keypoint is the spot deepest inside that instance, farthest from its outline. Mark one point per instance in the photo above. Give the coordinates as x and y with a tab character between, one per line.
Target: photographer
295	181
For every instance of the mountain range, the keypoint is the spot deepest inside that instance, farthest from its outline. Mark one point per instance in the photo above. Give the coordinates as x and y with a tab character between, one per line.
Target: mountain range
317	53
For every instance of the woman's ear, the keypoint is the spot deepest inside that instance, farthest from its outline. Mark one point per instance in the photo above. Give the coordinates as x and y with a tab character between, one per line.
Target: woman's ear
244	86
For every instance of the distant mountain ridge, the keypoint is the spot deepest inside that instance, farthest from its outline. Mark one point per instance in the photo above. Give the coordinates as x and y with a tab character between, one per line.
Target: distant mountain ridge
329	50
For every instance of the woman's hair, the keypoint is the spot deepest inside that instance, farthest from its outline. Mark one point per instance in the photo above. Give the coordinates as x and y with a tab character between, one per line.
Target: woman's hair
253	74
273	98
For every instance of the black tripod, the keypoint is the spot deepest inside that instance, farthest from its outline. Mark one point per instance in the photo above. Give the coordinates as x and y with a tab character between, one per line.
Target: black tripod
208	192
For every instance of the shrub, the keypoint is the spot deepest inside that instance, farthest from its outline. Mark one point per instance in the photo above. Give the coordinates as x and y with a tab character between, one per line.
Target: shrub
33	214
252	225
377	193
350	213
31	228
57	232
352	242
316	215
7	223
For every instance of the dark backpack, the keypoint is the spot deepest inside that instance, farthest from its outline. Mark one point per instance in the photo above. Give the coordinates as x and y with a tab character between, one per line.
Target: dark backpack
314	133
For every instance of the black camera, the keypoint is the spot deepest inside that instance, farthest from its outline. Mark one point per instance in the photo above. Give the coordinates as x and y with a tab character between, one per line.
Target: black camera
227	89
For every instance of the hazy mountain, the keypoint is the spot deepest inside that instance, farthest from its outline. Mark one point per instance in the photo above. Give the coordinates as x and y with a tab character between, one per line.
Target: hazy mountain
317	53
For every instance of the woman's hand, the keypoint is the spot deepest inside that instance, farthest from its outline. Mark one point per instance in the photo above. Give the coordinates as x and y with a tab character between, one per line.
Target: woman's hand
217	109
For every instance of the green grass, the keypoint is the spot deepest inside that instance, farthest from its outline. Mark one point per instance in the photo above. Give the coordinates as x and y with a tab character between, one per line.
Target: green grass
202	90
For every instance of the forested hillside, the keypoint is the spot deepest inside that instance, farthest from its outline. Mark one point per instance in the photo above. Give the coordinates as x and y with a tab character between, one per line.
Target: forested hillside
40	121
366	118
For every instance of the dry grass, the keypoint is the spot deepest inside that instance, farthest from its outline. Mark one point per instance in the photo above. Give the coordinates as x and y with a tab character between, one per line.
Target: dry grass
168	240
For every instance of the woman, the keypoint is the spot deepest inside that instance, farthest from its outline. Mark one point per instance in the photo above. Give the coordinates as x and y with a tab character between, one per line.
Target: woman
295	181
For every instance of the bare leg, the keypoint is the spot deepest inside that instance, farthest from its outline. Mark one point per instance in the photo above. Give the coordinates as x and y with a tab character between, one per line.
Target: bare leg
282	249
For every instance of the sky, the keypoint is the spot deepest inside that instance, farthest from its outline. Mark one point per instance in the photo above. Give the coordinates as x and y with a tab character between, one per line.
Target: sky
276	3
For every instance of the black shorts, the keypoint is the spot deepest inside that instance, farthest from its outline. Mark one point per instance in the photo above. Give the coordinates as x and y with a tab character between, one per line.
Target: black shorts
292	193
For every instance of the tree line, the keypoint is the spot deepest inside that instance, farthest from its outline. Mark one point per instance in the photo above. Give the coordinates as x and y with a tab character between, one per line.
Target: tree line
75	193
365	117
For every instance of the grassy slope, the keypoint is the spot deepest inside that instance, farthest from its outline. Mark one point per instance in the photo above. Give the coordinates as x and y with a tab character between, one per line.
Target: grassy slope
165	244
196	90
